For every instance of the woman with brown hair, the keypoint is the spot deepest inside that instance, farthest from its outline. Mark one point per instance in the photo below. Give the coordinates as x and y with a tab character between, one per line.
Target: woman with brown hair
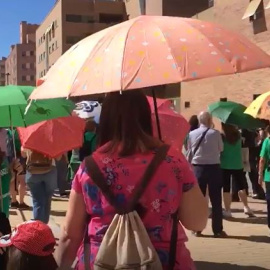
232	166
126	148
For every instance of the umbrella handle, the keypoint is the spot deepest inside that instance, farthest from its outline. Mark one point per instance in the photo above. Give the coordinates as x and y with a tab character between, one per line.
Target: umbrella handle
12	131
156	113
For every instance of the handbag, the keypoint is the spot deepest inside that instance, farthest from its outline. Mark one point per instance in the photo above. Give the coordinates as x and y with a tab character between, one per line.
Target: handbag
190	154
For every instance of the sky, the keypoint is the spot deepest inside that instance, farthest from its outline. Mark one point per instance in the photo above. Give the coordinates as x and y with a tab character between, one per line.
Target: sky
12	12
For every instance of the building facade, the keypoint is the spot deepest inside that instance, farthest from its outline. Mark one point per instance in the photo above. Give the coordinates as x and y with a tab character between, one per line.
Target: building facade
70	21
252	19
2	71
20	65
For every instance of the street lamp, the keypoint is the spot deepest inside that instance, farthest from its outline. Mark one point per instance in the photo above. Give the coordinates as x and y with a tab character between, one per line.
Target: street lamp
7	78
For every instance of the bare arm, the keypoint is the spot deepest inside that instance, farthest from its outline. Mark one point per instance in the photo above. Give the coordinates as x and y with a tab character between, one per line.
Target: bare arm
193	210
261	169
72	232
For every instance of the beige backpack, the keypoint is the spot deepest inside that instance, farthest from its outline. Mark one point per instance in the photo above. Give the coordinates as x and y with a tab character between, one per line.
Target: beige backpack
126	244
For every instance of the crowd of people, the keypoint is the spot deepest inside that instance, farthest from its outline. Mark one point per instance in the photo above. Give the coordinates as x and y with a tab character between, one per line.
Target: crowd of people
122	170
223	160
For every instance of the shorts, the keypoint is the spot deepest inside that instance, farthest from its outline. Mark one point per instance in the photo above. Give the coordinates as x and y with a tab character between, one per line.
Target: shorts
237	175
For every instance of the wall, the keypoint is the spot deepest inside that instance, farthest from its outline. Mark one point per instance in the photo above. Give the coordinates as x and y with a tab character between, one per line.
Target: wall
25	30
240	87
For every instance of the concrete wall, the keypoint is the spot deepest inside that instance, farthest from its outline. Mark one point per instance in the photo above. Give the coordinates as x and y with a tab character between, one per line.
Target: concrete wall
2	71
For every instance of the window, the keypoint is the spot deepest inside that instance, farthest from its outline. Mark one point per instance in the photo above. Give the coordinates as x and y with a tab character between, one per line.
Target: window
2	75
187	104
32	53
73	18
44	55
259	12
223	99
23	53
41	74
110	18
88	19
72	39
32	78
255	96
52	47
23	78
23	66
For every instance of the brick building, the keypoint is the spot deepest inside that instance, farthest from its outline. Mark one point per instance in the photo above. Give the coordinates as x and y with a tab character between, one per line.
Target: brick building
242	88
20	65
2	71
68	22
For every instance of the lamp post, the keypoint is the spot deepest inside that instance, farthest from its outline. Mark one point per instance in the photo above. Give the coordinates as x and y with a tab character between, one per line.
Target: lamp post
7	78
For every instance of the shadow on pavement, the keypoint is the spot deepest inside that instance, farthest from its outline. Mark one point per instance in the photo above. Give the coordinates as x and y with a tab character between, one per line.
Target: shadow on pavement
224	266
58	213
251	238
255	220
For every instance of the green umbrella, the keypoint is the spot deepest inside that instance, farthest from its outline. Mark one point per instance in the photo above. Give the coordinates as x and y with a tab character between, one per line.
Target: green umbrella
232	113
16	111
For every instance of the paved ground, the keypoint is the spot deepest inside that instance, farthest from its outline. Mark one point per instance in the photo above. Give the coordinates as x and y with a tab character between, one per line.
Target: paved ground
247	248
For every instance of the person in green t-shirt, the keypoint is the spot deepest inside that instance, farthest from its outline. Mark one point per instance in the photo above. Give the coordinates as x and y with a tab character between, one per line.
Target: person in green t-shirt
264	170
5	178
232	166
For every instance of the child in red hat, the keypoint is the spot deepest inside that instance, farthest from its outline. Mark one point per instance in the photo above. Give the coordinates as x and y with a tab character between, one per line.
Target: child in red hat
31	246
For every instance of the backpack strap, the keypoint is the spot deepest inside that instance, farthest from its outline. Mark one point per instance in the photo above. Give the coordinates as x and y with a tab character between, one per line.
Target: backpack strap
98	178
147	176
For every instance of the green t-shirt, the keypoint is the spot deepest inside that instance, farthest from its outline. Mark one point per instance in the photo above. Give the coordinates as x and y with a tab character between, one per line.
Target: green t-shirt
265	154
5	182
231	157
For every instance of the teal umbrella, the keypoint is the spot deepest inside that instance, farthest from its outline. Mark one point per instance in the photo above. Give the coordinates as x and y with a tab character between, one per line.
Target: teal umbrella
16	111
232	113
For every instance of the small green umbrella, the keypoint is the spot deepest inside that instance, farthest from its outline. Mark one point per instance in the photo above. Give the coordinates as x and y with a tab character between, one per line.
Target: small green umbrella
16	111
232	113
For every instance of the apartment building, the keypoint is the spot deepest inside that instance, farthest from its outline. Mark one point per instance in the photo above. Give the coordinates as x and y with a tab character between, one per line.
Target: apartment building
20	65
68	22
252	19
2	71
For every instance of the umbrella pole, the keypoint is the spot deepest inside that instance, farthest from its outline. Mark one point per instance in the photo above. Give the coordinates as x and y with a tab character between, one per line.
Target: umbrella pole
156	113
12	131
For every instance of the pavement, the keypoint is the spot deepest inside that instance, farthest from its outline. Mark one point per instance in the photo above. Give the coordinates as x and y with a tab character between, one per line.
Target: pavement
246	248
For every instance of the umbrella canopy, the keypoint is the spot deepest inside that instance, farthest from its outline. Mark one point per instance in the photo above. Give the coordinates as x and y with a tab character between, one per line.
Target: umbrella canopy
174	127
53	137
148	51
233	113
260	107
16	111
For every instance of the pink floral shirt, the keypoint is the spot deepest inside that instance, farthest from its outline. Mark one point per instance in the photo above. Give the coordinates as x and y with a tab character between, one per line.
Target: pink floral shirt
161	198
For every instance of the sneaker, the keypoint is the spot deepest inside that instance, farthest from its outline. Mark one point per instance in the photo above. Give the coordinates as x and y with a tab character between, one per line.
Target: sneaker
221	235
249	212
14	204
227	214
23	206
197	234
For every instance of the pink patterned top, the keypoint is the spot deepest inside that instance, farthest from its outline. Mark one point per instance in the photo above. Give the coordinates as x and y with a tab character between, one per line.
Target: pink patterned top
161	198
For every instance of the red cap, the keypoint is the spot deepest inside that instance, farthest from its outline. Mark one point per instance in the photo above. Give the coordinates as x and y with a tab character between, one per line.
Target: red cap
32	237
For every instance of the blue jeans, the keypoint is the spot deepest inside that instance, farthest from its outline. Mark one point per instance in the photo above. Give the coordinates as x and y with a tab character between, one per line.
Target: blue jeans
42	187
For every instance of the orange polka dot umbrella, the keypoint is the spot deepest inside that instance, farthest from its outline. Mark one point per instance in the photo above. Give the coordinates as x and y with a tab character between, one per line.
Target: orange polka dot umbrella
149	51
